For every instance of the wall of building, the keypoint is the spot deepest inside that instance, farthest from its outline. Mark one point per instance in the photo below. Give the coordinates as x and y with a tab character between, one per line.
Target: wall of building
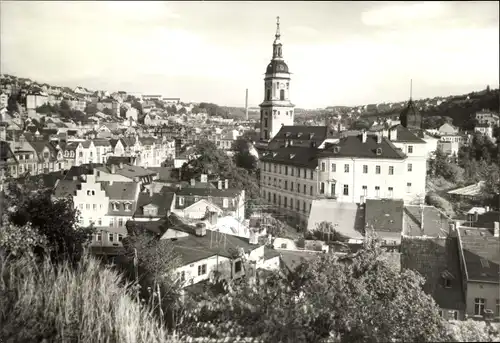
488	291
191	270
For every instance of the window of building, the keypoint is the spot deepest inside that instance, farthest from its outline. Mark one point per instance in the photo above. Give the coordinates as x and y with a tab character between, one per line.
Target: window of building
283	246
286	184
311	190
268	94
181	275
120	222
87	206
275	168
181	201
285	202
390	192
298	187
479	305
365	190
98	237
111	237
498	308
346	189
292	169
305	189
286	170
322	188
391	170
120	237
111	222
441	313
410	167
410	149
80	206
237	267
334	168
447	283
265	122
202	269
225	203
311	174
297	205
94	207
323	166
114	206
377	191
332	189
408	187
99	221
365	169
346	168
274	198
453	314
377	169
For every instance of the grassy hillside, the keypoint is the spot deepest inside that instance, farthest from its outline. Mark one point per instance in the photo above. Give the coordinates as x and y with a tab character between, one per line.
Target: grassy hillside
48	303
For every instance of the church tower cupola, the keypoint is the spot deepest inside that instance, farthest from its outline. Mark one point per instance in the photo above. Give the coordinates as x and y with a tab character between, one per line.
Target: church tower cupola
276	110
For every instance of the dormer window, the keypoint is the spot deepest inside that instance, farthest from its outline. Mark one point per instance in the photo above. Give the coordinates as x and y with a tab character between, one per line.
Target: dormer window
114	206
447	283
311	135
379	151
287	134
181	201
299	134
336	149
274	154
128	206
292	156
90	192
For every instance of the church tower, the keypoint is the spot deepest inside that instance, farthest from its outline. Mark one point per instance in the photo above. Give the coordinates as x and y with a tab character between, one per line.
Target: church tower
276	110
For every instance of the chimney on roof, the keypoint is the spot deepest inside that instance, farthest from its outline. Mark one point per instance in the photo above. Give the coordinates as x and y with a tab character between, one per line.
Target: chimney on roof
75	178
113	169
151	190
121	165
226	184
111	182
487	209
379	137
452	229
253	239
193	182
219	184
393	136
422	217
496	230
363	136
385	132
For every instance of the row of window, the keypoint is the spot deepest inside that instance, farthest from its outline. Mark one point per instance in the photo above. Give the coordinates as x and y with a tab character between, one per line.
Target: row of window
127	206
345	190
365	168
282	201
112	237
277	183
119	222
480	306
289	170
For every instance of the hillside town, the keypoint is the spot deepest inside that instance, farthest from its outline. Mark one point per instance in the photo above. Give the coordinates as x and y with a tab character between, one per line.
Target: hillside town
133	163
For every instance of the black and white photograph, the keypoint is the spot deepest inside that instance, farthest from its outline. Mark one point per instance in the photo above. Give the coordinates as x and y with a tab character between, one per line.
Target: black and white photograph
249	171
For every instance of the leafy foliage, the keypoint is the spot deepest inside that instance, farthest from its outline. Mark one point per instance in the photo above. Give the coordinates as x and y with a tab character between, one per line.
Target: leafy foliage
242	157
215	162
433	199
473	331
55	302
53	221
355	299
441	166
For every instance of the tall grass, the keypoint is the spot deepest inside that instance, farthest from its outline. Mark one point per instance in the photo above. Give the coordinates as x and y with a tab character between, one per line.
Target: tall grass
45	302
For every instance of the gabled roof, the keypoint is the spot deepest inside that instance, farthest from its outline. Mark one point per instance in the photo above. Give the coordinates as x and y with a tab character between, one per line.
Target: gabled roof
116	160
435	222
205	192
292	155
481	251
66	188
163	201
121	191
128	171
6	152
353	146
384	214
405	135
101	142
434	259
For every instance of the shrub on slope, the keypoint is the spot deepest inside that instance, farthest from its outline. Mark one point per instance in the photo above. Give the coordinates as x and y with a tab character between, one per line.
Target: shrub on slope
55	303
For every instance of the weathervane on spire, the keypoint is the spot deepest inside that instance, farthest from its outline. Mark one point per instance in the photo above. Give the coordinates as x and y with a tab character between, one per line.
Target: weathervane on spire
277	27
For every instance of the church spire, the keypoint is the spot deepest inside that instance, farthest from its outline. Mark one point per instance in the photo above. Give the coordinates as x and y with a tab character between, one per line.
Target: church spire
411	88
277	53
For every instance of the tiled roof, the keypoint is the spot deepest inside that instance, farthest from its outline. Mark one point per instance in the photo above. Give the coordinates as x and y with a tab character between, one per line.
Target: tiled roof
116	160
485	220
434	258
436	223
147	140
162	201
481	255
119	190
101	142
353	146
384	214
128	171
405	135
5	151
292	155
195	248
292	259
66	188
304	134
83	169
348	219
213	192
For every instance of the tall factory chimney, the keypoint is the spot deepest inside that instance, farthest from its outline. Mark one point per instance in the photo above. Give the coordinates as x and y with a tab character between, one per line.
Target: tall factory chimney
246	104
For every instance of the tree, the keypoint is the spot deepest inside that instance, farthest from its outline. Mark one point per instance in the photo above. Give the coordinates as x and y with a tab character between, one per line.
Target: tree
473	331
182	110
54	220
357	298
159	104
243	157
13	104
107	111
138	106
441	166
91	109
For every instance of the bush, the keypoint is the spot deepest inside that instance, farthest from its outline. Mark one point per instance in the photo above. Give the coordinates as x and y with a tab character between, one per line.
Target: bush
59	304
437	201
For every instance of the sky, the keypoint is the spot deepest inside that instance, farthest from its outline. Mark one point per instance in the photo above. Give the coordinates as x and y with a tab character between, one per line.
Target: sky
339	53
